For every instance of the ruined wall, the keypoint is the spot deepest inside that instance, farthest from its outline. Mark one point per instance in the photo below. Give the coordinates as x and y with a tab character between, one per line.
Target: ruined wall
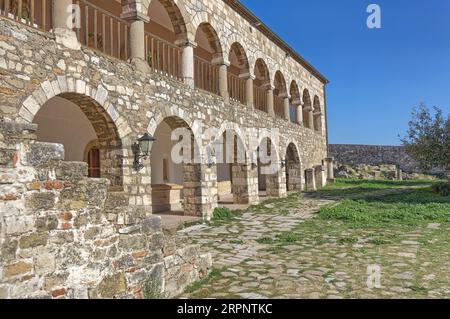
63	235
373	155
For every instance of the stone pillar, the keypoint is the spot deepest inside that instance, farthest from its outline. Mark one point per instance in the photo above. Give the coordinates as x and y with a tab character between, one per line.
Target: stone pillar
311	117
270	106
223	65
320	178
137	39
245	184
249	90
399	174
187	62
200	190
329	162
310	180
287	113
299	111
276	183
62	24
294	177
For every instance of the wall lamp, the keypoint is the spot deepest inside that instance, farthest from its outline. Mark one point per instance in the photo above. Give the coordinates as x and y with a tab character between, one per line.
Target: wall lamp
141	150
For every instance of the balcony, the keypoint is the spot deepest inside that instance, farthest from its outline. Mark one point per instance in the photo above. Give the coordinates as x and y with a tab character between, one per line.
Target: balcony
227	74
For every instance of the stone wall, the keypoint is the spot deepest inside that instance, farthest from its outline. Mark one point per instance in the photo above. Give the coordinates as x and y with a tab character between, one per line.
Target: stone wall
125	103
63	235
373	155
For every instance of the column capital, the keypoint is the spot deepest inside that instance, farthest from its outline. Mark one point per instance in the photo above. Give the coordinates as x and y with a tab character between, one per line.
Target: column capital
219	59
134	16
284	96
297	102
329	159
184	43
269	86
308	108
247	76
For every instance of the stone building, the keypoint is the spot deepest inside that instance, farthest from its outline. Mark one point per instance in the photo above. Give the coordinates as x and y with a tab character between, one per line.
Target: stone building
80	86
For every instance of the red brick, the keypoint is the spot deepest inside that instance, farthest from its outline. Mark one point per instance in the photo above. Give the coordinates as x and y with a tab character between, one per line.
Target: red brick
53	185
66	226
67	216
58	292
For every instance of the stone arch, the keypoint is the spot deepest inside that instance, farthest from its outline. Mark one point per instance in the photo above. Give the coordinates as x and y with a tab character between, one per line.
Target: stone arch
293	168
197	199
212	37
307	108
279	83
180	19
241	56
261	72
271	176
111	129
261	84
294	91
317	114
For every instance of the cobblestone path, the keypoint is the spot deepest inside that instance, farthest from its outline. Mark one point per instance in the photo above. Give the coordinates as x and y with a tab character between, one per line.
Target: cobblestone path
278	249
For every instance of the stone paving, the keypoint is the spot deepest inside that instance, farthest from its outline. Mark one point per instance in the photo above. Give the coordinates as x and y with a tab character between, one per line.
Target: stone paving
324	259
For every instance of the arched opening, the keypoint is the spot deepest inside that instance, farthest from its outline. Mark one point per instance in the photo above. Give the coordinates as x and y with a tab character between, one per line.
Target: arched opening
238	72
317	115
270	182
232	169
293	169
166	26
279	93
175	176
86	131
295	101
207	56
260	85
307	108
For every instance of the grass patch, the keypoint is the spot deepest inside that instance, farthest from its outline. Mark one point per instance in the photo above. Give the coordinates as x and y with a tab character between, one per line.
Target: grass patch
222	214
265	241
407	206
214	274
347	240
237	242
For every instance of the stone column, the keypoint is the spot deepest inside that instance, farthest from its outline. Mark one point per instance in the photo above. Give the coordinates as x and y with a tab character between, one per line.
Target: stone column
200	190
223	65
287	113
270	106
187	61
294	182
63	26
329	162
311	117
245	184
249	90
319	171
310	180
136	40
299	111
399	174
276	183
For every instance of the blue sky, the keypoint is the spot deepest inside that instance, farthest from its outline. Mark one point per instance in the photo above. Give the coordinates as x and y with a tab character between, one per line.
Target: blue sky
376	75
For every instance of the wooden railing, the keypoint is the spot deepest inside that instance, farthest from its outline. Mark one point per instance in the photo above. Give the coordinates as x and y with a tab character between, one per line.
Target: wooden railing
236	88
260	98
163	56
293	113
34	13
278	105
102	31
206	75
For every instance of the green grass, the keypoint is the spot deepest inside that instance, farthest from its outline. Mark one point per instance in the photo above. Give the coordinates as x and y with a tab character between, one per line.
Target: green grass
213	275
411	205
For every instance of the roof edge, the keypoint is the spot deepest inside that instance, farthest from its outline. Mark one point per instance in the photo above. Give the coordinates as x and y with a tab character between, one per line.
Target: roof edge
262	27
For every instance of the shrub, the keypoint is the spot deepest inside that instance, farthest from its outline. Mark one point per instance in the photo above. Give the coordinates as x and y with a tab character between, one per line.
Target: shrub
441	188
222	214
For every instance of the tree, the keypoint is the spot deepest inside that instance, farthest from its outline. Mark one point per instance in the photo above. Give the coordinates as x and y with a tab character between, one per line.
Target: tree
428	138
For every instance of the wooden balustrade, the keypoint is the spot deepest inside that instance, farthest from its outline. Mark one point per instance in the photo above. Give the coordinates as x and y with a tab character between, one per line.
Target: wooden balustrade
206	75
278	104
236	88
260	98
34	13
102	31
163	56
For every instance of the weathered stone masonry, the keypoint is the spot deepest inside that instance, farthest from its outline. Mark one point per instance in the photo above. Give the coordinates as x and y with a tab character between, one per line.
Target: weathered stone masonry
66	235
